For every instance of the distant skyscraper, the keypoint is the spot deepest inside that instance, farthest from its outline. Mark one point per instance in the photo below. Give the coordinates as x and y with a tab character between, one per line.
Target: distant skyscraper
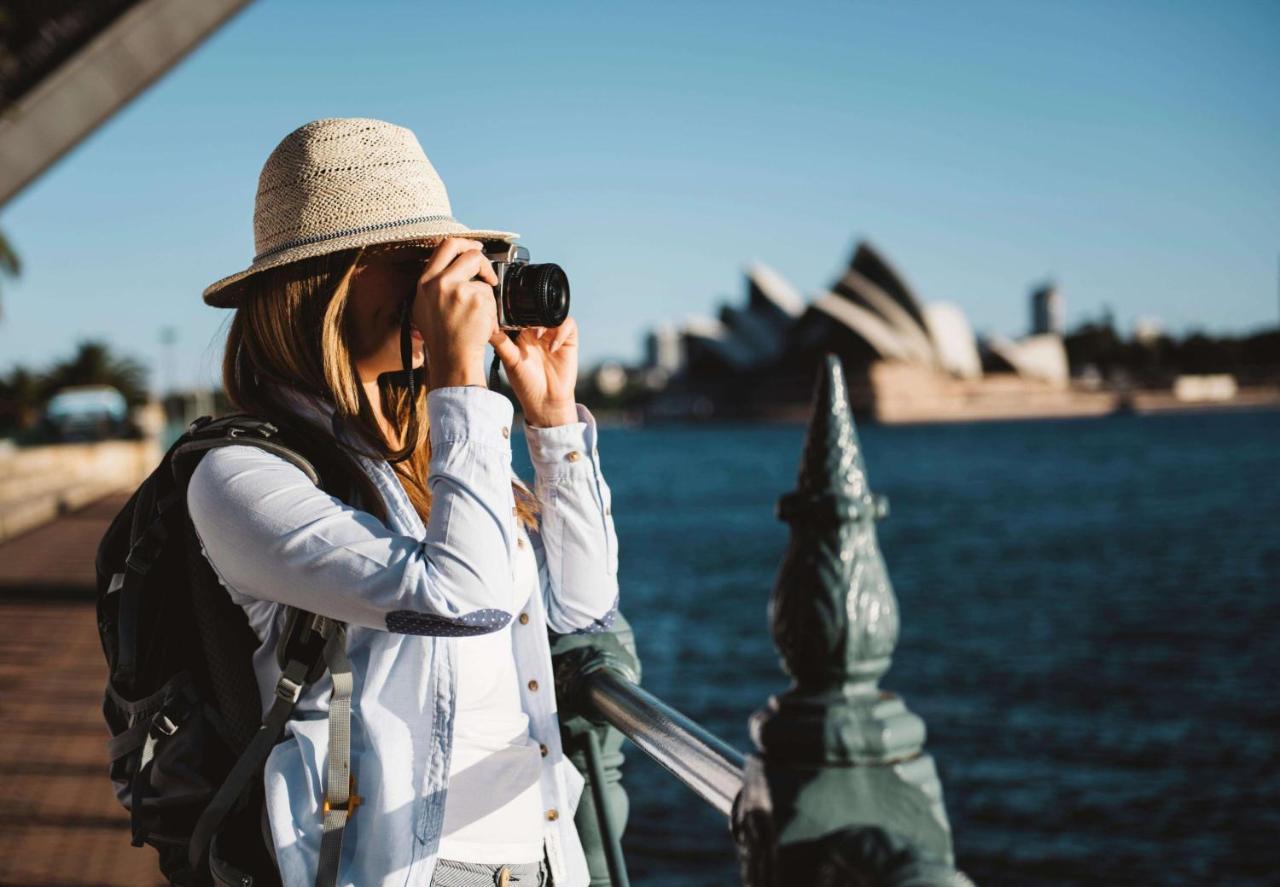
1046	310
664	349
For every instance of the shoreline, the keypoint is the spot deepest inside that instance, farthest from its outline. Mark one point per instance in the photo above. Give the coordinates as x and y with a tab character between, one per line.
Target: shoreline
1076	405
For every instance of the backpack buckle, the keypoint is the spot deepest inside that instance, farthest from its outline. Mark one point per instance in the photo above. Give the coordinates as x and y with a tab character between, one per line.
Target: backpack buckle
287	689
164	724
349	808
171	716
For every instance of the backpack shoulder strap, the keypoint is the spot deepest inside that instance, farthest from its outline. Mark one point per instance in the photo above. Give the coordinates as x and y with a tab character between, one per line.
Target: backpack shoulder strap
329	465
309	645
305	641
154	504
238	429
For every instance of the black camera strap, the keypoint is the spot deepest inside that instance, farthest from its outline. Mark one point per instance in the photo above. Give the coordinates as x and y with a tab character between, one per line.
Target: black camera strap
495	380
408	378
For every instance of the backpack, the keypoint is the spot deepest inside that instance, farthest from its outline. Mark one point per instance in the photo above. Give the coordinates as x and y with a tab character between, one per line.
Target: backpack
188	737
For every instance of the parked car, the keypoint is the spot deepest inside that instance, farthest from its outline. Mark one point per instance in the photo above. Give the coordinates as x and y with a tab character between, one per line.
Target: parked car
88	412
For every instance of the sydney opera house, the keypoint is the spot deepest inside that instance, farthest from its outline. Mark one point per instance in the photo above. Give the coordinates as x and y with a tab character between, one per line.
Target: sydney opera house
908	359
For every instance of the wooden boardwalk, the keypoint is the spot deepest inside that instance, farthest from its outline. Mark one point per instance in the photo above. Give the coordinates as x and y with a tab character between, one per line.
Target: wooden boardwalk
60	823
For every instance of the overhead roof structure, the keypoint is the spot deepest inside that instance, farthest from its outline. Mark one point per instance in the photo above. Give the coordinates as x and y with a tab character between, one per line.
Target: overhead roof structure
66	66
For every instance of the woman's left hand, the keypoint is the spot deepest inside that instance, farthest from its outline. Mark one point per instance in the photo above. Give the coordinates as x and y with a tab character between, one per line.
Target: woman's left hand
542	366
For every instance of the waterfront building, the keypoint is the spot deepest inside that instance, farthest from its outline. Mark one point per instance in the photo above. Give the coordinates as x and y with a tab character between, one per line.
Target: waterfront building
907	359
1047	310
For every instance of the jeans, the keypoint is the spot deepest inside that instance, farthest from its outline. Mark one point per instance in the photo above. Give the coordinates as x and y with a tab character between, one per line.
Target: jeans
473	874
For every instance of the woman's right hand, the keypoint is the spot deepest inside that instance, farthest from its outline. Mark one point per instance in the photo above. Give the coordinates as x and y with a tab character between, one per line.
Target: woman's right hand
456	313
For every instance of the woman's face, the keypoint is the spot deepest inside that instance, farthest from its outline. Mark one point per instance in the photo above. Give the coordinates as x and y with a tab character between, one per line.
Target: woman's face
379	287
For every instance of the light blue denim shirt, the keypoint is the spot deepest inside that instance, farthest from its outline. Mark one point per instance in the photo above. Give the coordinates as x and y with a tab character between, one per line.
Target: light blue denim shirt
407	593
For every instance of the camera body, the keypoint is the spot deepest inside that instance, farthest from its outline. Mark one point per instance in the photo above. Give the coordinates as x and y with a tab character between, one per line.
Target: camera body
527	294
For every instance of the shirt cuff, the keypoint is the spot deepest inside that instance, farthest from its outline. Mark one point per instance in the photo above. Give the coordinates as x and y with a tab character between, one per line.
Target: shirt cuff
554	450
469	412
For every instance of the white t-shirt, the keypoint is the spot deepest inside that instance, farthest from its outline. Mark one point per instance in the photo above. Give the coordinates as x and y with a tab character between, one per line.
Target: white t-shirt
493	811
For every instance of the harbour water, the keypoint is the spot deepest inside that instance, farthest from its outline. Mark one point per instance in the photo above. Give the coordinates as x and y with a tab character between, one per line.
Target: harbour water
1091	620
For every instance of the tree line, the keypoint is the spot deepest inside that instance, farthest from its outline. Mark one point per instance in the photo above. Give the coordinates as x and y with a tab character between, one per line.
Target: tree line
24	391
1252	358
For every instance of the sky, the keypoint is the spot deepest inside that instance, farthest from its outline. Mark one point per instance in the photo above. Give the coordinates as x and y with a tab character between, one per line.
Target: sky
1129	151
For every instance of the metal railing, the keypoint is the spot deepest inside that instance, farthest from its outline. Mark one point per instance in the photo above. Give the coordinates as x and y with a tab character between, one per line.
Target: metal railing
708	765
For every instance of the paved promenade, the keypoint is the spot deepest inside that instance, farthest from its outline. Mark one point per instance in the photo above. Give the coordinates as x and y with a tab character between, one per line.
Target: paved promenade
59	821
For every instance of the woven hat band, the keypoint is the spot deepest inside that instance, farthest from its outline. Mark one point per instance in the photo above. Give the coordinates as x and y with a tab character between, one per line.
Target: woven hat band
363	229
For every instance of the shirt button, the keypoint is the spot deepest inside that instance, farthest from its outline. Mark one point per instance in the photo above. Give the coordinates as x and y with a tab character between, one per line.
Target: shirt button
573	455
506	432
553	814
524	618
542	748
520	541
533	685
608	509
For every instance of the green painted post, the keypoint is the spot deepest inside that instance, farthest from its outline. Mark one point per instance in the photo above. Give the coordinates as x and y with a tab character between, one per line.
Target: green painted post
840	790
573	656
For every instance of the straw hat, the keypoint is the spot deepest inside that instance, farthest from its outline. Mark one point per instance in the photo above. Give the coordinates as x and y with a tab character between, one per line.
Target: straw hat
340	183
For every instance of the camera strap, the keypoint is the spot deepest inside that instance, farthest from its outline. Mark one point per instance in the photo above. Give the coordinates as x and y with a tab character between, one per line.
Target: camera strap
495	380
408	378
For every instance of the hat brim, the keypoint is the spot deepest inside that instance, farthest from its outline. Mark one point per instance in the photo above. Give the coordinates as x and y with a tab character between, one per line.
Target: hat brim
227	292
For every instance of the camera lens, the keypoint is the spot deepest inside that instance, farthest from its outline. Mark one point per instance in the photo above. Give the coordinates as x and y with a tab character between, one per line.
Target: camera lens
535	295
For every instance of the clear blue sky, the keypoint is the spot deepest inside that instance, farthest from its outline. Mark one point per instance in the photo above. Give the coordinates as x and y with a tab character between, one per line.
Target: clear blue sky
1130	150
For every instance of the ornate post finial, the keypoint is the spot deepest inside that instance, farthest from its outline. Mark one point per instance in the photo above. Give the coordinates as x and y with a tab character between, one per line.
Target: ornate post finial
838	758
833	613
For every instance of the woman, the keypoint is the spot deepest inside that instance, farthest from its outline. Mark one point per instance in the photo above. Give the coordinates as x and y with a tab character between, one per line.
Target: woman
456	764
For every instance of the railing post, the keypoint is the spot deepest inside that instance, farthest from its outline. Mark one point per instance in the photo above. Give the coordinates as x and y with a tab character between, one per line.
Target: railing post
595	748
840	790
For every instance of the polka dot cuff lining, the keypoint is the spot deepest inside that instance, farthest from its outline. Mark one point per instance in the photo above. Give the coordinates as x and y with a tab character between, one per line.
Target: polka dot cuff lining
467	625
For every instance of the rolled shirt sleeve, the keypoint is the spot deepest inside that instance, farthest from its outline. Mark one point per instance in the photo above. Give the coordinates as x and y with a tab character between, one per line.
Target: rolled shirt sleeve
579	541
271	534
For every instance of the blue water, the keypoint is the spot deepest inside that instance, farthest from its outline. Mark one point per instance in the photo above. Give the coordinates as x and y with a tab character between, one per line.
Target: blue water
1091	631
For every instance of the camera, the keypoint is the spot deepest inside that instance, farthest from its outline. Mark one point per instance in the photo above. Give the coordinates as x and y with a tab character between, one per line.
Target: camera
527	294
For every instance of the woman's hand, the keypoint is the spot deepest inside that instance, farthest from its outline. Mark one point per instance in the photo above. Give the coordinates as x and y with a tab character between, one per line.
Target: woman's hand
542	365
456	313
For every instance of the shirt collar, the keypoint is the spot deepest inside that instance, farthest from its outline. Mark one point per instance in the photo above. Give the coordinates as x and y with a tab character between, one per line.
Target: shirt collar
320	412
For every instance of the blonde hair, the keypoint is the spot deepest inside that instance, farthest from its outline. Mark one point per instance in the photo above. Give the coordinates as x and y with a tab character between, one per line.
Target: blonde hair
291	326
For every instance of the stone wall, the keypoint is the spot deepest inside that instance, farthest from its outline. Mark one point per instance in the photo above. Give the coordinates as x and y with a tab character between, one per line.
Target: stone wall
39	483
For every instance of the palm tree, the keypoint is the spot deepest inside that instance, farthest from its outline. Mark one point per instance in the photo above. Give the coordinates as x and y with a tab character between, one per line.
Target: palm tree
94	364
10	265
21	395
